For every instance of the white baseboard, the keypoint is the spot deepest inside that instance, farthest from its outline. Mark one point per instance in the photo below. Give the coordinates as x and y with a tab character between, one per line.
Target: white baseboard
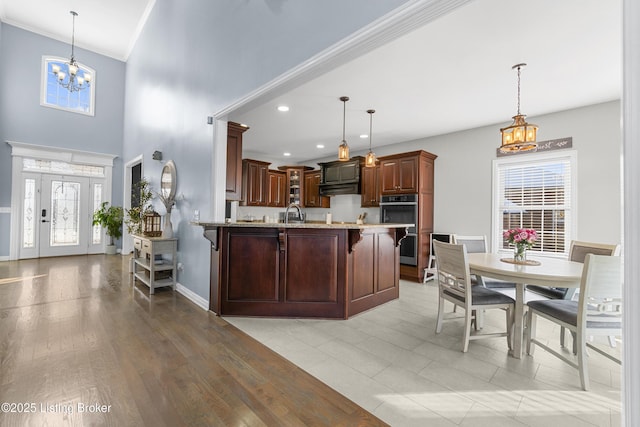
193	297
4	258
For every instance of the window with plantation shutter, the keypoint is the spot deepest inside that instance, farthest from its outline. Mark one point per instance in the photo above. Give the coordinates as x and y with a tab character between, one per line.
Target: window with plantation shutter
535	191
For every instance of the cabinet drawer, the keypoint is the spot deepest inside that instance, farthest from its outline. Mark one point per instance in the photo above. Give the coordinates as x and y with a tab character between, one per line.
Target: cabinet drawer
165	247
137	244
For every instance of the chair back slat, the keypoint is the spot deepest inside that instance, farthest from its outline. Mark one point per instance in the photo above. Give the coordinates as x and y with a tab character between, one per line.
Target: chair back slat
601	290
579	250
453	269
473	244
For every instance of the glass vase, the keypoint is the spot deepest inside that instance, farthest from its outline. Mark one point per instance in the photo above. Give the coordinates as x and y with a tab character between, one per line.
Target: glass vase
520	254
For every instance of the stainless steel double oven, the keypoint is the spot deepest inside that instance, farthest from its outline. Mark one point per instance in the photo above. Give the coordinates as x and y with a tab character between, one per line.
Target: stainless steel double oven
403	209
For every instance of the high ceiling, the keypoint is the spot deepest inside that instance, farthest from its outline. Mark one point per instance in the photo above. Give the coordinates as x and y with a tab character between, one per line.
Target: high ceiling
107	27
449	75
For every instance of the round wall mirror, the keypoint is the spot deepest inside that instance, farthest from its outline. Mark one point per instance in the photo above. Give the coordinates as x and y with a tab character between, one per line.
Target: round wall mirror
168	181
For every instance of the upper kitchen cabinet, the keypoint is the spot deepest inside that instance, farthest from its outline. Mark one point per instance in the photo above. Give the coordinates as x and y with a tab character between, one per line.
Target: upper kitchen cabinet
234	160
255	188
312	197
406	173
370	187
295	183
277	183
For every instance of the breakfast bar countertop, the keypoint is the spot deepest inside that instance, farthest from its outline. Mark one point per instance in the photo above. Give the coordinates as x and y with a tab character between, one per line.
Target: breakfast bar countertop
308	224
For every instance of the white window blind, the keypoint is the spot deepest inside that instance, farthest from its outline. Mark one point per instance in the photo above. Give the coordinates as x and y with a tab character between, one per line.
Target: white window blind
538	194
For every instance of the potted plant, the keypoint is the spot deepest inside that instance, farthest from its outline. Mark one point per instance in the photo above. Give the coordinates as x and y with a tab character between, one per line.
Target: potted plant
110	219
135	215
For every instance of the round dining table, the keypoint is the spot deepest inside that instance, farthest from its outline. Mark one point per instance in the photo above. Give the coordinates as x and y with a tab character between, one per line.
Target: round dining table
543	271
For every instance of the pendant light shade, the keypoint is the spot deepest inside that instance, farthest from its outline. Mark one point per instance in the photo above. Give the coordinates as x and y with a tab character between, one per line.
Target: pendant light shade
343	149
520	135
370	160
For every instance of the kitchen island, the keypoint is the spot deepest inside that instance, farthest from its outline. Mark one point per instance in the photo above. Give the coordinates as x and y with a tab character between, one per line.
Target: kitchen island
313	270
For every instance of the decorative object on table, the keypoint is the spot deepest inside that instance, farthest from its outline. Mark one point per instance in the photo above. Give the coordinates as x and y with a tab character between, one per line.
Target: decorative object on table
135	215
167	195
110	219
152	224
343	149
522	239
520	135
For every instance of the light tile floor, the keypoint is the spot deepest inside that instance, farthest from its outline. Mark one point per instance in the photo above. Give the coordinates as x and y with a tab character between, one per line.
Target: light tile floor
390	361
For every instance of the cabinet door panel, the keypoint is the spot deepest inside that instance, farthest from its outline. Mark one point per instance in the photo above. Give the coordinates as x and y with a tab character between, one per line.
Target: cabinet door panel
408	175
370	188
258	256
312	266
388	173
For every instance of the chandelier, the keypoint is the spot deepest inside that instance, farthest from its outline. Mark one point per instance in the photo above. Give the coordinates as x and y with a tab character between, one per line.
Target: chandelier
343	149
370	160
69	78
520	135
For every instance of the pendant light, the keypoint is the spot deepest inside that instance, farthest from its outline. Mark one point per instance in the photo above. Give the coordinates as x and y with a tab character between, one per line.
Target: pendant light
370	160
520	135
72	78
343	149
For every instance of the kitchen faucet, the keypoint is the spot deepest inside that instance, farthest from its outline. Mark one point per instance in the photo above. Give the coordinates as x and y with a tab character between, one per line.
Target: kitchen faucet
286	213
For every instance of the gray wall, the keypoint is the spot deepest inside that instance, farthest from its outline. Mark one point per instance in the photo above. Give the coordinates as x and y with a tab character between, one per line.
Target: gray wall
190	62
22	118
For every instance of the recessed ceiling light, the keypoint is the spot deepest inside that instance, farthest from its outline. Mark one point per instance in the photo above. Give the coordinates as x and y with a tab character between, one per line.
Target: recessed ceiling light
283	108
320	146
363	136
287	154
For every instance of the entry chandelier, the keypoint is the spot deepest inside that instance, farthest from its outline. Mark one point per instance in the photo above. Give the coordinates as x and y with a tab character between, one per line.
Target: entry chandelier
69	78
343	149
520	135
370	160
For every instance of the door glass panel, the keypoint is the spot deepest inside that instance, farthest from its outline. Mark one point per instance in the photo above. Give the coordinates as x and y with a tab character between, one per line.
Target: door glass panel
65	218
29	211
97	201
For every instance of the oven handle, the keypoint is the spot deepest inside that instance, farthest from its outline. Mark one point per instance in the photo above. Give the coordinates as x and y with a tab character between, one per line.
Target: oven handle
398	204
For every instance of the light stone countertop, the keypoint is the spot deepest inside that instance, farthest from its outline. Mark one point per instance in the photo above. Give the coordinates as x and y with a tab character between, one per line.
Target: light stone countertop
310	224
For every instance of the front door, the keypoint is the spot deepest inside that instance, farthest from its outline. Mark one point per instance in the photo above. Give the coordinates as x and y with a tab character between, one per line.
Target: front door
57	216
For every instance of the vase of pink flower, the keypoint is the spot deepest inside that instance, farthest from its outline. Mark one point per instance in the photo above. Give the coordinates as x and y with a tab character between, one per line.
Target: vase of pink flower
521	239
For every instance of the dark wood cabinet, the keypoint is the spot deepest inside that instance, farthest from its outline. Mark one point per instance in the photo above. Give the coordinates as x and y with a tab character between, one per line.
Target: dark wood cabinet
399	175
277	185
312	197
370	187
295	184
412	173
302	272
254	183
234	160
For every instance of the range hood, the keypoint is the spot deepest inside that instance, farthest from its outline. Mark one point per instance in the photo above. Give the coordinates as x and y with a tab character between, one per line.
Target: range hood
341	177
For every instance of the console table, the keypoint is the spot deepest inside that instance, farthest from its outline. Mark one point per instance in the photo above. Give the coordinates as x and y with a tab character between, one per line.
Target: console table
154	261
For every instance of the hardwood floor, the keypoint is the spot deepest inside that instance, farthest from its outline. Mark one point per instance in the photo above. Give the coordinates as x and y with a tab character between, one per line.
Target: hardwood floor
80	346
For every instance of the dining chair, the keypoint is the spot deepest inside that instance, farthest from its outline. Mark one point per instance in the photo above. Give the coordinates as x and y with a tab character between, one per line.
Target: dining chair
478	244
454	285
577	252
598	311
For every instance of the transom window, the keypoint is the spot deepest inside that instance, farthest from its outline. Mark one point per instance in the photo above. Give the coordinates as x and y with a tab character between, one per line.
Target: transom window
56	96
536	191
62	168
